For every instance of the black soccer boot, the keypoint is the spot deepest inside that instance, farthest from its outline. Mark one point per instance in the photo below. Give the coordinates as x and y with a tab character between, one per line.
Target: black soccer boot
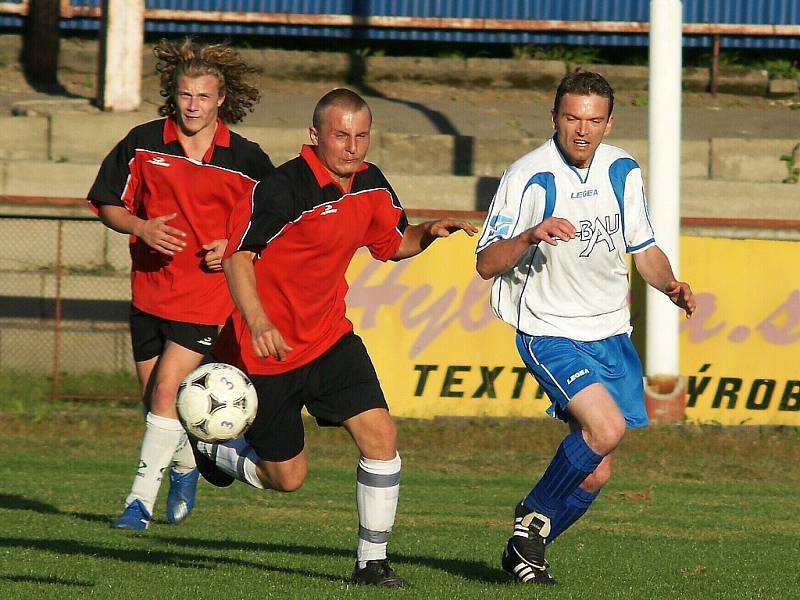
380	573
208	468
523	556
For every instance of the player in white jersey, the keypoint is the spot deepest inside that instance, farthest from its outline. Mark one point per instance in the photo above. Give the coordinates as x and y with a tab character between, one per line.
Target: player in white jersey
555	240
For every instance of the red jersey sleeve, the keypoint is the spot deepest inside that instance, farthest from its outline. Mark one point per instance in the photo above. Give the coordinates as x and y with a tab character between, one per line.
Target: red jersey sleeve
385	232
238	224
117	180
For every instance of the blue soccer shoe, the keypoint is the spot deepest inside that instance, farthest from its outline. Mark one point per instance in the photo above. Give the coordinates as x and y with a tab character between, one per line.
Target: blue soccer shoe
182	493
135	516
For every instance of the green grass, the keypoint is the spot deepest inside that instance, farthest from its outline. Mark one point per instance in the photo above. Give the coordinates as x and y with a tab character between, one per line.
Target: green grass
692	512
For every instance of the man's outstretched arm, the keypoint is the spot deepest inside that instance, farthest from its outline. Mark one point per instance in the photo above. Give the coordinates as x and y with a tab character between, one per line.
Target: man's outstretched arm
418	237
653	265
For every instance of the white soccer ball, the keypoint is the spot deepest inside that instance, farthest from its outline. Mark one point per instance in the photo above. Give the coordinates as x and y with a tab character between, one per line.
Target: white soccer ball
216	402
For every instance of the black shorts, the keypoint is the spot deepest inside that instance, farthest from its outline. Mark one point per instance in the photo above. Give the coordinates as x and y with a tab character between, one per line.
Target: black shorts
340	384
149	334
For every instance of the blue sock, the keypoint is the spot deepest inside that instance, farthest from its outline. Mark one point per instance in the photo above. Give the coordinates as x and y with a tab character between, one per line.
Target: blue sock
573	461
573	509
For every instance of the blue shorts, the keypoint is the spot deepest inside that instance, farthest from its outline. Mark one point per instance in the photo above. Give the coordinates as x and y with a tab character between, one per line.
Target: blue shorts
563	367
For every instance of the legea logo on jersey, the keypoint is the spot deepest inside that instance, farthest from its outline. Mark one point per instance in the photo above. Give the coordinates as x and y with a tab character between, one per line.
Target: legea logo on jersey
500	226
158	161
584	194
328	210
598	231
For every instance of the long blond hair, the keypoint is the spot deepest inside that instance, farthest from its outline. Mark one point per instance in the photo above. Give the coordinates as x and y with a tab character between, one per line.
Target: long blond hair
194	59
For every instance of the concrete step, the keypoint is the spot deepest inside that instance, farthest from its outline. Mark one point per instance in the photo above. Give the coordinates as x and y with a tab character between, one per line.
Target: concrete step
76	137
700	197
80	55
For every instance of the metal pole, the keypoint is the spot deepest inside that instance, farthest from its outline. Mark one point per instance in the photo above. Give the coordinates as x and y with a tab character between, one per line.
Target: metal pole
56	391
664	175
714	64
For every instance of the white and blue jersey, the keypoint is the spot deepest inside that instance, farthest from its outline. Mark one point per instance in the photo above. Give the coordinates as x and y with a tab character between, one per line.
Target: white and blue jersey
579	288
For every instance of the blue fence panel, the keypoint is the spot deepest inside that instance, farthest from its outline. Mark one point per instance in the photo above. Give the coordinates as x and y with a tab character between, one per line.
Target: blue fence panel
780	12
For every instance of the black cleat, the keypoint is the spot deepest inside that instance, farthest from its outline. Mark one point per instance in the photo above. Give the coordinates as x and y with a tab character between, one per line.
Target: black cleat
208	468
530	535
380	573
523	556
522	571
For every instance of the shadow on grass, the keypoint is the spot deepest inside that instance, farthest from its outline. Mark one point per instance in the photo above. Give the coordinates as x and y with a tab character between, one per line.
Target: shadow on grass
470	570
17	502
151	556
466	569
45	580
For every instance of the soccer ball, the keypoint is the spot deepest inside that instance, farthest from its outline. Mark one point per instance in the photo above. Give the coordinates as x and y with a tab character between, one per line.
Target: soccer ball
216	402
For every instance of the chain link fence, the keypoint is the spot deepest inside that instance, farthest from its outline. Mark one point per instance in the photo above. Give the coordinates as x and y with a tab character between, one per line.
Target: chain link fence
64	298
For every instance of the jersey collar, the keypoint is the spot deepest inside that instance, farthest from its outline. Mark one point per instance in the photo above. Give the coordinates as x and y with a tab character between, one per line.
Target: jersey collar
569	165
322	174
222	137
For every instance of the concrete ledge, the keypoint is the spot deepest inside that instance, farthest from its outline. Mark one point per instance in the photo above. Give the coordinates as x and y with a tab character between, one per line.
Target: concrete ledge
782	88
79	55
443	192
83	138
518	73
694	156
622	77
46	178
742	81
395	68
699	198
76	138
740	199
756	160
280	144
24	138
435	154
420	154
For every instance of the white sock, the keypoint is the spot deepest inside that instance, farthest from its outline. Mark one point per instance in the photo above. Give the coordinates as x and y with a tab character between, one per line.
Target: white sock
377	493
236	458
183	458
161	437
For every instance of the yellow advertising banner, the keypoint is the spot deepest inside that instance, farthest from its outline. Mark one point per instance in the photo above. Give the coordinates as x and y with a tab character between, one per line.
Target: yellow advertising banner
440	351
741	349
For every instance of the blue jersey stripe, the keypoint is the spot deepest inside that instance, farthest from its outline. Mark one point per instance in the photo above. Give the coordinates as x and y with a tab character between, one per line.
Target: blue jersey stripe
649	242
618	174
547	181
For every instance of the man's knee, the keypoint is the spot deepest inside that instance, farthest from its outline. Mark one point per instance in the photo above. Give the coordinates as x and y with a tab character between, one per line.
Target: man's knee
163	396
375	434
603	436
612	433
282	477
379	447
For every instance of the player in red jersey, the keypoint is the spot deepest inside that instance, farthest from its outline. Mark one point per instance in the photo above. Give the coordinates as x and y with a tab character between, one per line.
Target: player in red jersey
285	264
170	184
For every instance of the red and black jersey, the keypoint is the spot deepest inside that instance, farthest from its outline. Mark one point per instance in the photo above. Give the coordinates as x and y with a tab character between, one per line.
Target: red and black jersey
149	174
305	230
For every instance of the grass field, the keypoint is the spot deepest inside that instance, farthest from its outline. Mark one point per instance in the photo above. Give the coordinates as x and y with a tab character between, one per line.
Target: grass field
692	512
